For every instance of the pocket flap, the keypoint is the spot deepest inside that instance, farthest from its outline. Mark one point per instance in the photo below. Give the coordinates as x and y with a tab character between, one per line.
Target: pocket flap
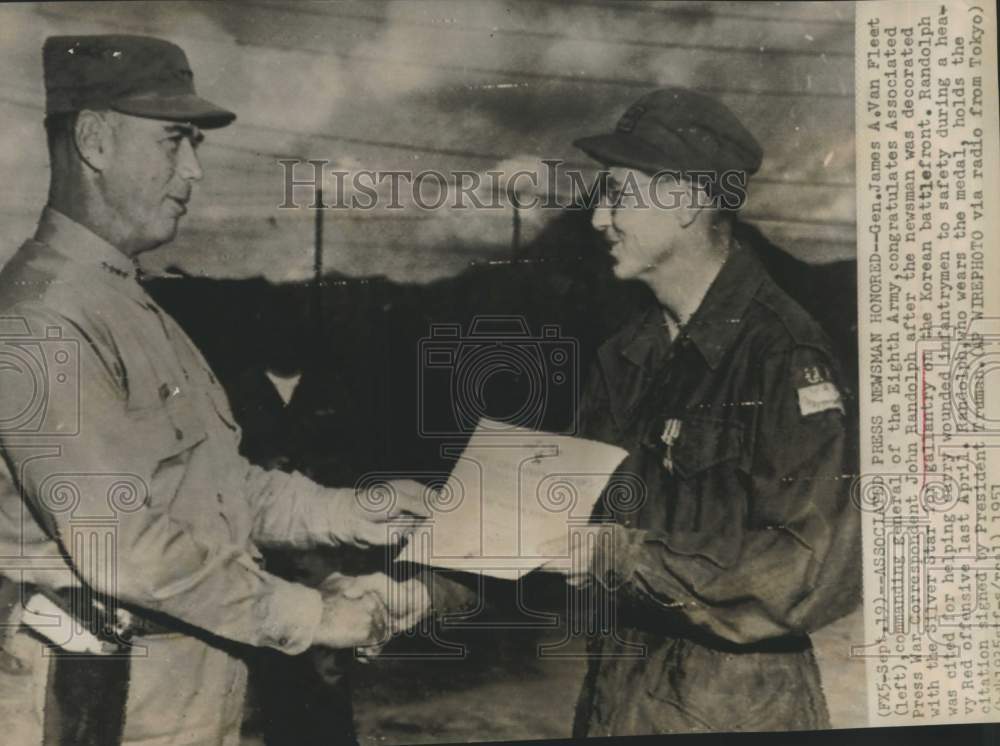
169	428
705	442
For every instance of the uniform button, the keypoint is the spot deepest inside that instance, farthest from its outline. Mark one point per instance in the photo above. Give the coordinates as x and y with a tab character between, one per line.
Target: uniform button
284	641
178	433
218	496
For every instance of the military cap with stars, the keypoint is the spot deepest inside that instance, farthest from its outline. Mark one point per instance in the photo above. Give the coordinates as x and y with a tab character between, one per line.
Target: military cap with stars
137	75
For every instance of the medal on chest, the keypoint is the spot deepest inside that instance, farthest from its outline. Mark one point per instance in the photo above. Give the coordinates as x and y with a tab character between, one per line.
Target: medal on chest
671	432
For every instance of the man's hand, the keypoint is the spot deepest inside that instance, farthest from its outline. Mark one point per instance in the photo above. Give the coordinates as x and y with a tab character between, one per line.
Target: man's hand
350	621
381	513
408	602
573	556
404	603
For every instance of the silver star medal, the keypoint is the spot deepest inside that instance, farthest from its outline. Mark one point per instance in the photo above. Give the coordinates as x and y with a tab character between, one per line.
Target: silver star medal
671	432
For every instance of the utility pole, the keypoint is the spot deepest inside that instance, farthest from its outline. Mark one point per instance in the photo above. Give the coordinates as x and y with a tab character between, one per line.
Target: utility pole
319	326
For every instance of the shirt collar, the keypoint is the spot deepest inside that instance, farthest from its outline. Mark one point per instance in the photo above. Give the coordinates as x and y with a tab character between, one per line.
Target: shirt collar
79	245
715	324
645	340
713	327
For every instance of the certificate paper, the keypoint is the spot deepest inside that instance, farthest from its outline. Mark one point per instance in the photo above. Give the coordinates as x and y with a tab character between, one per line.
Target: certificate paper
510	499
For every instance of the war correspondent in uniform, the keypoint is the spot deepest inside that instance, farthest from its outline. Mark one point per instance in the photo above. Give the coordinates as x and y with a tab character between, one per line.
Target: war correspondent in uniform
729	402
150	440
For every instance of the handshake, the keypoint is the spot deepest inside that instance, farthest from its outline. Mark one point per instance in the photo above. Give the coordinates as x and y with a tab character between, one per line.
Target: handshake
366	611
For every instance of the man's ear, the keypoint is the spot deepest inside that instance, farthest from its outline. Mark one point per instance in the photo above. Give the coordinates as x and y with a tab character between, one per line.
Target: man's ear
92	136
695	195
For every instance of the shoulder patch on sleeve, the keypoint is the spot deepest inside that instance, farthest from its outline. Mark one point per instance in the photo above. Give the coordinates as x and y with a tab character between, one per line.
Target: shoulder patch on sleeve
819	397
816	390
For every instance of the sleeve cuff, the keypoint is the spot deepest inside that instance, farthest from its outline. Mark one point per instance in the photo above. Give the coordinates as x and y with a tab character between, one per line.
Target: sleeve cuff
622	564
336	515
292	618
449	595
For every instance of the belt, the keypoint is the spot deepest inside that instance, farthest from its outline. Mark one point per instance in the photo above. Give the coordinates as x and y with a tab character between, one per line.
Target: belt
113	623
144	624
87	621
674	626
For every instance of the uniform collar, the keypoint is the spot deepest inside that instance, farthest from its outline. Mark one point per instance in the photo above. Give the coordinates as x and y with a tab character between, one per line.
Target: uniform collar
715	324
630	357
85	249
712	328
645	340
79	244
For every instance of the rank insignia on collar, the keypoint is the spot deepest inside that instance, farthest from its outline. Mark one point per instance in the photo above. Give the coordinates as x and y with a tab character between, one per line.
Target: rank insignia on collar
114	270
671	432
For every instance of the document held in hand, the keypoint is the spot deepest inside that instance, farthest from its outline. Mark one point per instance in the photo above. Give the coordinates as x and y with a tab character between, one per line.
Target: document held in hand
512	500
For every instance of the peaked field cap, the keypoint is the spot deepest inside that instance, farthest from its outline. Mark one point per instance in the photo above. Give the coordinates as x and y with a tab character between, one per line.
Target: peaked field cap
138	75
677	129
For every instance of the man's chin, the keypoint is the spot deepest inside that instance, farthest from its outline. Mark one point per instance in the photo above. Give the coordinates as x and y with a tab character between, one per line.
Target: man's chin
168	231
624	271
155	239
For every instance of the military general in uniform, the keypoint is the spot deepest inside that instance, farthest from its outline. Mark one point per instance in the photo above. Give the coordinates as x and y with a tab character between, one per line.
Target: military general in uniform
124	497
738	538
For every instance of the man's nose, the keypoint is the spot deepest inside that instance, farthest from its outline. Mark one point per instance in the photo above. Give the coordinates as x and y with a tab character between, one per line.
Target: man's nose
188	165
601	220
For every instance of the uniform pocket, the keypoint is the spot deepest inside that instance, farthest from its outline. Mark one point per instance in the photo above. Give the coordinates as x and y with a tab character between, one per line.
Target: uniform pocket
167	429
705	442
188	428
709	503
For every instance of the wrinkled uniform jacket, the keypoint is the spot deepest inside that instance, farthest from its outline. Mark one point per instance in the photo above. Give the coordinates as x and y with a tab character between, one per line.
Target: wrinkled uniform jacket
739	538
134	433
